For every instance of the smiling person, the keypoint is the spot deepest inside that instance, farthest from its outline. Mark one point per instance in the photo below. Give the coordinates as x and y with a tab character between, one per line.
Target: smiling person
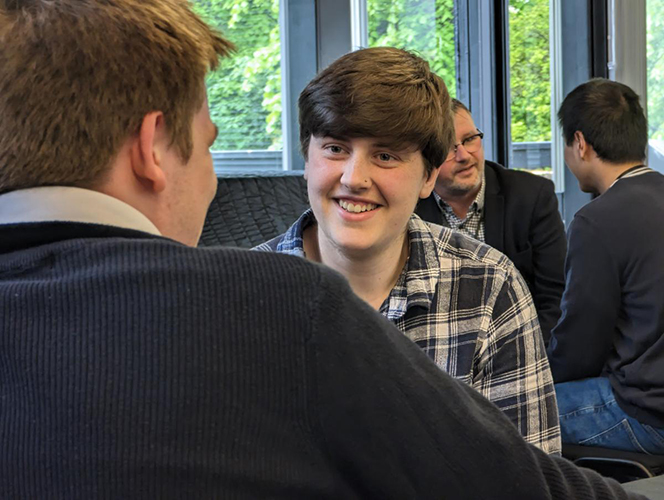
514	212
374	127
135	365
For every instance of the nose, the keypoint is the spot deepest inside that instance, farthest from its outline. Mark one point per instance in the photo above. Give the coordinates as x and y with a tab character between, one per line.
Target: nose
356	173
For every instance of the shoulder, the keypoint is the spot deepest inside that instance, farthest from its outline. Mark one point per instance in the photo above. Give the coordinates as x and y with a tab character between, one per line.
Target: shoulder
479	274
270	245
462	250
291	242
625	197
625	210
202	270
633	191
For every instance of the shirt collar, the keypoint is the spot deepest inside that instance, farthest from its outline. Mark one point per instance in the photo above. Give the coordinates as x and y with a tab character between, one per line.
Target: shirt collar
71	204
632	172
292	242
416	285
418	281
476	205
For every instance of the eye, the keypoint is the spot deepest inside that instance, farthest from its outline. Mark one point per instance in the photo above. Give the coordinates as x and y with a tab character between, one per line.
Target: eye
469	141
334	149
472	143
385	157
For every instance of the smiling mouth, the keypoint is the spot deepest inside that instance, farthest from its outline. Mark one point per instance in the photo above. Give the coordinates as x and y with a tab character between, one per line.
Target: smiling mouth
465	169
356	208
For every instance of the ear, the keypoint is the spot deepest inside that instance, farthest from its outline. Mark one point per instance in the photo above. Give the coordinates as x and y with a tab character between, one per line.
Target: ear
581	146
429	182
148	152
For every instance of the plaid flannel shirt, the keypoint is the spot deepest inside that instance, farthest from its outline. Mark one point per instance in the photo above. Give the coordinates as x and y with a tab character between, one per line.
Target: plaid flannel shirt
473	223
465	304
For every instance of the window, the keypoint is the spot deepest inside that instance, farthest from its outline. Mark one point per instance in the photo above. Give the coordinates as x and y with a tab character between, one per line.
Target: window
655	82
245	92
530	86
422	26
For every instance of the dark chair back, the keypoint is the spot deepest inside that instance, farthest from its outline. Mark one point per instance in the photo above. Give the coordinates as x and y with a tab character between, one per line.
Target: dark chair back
254	207
624	466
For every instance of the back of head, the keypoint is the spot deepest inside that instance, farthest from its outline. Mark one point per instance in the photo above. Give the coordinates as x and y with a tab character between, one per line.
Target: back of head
78	76
379	92
457	106
609	116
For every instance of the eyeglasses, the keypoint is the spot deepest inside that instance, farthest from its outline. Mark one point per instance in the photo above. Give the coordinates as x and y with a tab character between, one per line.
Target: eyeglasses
471	144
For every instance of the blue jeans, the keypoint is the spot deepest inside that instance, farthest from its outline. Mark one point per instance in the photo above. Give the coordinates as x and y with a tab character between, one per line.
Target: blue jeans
590	416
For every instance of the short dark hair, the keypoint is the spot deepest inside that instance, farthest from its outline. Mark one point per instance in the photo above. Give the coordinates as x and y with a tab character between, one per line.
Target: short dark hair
380	92
609	116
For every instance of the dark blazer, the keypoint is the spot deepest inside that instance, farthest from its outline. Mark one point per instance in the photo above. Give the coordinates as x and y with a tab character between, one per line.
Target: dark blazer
521	219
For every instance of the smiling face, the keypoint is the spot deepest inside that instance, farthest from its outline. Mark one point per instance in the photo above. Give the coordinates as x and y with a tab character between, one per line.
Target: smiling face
461	175
363	192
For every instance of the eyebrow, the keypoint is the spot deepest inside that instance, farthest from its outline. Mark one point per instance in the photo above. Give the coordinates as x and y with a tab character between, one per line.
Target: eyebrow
397	148
471	134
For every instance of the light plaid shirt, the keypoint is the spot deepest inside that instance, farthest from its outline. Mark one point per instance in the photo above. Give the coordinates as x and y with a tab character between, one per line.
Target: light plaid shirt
465	304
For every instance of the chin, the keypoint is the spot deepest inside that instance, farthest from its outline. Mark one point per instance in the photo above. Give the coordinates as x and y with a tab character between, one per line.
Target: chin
588	189
353	246
461	189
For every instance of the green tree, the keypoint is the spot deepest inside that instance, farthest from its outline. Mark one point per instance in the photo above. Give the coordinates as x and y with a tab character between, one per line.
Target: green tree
530	81
245	92
425	27
655	68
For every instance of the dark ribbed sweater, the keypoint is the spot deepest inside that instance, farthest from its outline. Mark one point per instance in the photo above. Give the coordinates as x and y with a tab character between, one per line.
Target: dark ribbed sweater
613	307
135	367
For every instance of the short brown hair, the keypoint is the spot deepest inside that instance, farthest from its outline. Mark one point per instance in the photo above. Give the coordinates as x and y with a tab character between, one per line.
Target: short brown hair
380	92
457	106
78	77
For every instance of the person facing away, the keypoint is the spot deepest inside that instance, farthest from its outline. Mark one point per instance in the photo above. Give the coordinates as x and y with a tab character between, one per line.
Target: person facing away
136	366
607	350
515	212
374	126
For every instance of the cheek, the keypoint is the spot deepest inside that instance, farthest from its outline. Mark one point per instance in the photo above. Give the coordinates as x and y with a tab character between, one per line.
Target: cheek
445	171
320	178
402	189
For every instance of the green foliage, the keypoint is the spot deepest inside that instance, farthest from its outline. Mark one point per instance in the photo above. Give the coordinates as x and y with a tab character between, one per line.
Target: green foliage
655	65
425	27
245	92
530	81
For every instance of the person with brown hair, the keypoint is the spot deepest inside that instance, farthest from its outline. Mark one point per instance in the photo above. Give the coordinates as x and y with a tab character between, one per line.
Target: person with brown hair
96	76
374	129
135	366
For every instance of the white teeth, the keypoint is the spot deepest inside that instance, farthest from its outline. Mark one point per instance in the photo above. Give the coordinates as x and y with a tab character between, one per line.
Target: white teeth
350	207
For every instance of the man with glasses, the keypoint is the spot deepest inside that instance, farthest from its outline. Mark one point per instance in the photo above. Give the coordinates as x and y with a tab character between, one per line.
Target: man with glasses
514	212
